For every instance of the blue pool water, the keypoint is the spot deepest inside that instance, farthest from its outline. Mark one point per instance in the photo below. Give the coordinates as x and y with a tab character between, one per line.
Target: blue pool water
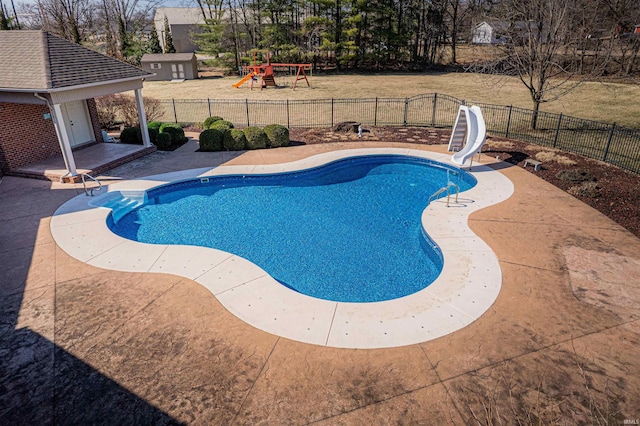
348	231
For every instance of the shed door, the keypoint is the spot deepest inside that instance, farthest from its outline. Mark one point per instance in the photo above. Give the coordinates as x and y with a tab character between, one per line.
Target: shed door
76	118
177	70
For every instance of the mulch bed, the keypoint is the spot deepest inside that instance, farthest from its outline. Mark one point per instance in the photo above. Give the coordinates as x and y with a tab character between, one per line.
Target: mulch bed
615	193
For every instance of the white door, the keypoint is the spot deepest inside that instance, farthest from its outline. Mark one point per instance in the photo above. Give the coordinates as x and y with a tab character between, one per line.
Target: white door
76	118
178	71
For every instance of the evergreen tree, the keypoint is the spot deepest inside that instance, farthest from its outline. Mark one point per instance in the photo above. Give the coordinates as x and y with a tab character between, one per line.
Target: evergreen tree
168	40
4	21
154	41
124	36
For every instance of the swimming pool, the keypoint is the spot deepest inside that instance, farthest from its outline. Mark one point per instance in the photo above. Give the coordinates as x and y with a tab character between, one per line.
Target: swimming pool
467	286
347	231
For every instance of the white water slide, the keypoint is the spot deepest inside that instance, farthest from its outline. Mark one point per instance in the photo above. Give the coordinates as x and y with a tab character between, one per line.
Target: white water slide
469	129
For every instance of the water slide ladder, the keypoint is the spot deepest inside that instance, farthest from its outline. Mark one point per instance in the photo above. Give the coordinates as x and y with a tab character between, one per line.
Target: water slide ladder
459	133
446	189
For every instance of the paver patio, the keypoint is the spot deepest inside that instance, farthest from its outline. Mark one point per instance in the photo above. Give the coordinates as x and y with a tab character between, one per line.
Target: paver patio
80	344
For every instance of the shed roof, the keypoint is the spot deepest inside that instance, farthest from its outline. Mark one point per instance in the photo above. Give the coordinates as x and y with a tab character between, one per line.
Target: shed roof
39	60
167	57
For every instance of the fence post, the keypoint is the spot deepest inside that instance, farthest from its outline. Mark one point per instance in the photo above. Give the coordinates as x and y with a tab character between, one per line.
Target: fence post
375	113
209	105
506	132
606	150
406	111
175	114
331	112
433	110
555	139
288	122
246	102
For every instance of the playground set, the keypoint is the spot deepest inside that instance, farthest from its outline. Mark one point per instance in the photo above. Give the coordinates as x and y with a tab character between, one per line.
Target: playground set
265	72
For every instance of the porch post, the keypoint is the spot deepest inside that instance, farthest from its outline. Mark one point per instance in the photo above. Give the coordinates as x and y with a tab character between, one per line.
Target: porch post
63	139
142	117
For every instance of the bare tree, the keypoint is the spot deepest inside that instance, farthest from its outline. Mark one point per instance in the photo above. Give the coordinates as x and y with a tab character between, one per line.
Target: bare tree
124	13
622	16
538	37
71	19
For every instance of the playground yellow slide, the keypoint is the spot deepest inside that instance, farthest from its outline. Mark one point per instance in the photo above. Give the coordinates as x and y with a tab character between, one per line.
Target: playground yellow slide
244	79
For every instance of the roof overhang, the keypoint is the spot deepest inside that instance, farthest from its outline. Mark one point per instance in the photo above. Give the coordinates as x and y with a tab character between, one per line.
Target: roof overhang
82	91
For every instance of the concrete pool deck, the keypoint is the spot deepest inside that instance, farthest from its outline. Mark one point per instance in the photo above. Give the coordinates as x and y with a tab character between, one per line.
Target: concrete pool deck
467	286
80	344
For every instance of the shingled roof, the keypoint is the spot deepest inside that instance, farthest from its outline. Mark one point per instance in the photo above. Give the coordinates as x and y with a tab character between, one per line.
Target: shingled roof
167	57
39	60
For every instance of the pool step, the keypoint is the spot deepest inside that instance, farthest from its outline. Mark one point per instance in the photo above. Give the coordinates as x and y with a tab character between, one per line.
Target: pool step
120	203
124	206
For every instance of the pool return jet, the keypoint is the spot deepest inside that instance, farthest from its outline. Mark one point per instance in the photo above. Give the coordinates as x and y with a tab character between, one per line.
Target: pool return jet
468	135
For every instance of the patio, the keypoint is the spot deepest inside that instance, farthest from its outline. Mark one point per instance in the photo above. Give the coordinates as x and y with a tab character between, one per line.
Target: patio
81	344
91	160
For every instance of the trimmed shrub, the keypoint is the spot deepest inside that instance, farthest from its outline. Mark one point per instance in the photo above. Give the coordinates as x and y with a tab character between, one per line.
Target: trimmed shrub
256	138
211	140
234	140
131	135
163	141
176	132
155	125
153	135
209	121
277	134
221	125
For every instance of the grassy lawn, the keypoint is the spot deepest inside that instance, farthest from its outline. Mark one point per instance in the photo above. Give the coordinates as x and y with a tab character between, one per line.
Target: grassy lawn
609	102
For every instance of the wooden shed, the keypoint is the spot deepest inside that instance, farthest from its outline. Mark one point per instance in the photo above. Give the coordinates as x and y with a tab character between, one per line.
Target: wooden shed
170	66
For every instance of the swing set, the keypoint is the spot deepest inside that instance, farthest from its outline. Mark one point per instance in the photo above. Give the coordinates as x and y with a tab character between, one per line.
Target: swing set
265	73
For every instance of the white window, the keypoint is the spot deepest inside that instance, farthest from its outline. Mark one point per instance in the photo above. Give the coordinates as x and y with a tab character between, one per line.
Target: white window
156	66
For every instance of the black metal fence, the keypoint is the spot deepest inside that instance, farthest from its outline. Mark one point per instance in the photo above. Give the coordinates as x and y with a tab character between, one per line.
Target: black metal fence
606	142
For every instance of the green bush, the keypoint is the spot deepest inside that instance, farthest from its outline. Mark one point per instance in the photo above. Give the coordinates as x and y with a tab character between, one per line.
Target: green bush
256	138
211	140
131	135
209	121
155	125
176	132
163	141
153	134
221	125
277	134
234	140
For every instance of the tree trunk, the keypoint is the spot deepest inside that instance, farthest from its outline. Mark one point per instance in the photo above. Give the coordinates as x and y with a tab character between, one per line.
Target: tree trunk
534	116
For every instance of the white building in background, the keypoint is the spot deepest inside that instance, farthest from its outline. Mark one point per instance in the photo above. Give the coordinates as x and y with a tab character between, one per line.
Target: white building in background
490	32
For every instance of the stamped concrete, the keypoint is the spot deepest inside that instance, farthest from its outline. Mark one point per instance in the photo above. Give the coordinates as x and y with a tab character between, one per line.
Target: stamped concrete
466	287
79	344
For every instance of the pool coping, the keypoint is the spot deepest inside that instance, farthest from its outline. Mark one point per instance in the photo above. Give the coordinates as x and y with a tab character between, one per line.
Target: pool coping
466	288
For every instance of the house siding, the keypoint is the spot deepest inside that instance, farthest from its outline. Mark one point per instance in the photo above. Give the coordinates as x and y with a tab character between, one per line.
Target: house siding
25	135
182	36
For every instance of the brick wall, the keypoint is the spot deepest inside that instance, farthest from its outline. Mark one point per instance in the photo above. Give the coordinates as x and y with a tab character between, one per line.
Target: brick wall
25	135
93	114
